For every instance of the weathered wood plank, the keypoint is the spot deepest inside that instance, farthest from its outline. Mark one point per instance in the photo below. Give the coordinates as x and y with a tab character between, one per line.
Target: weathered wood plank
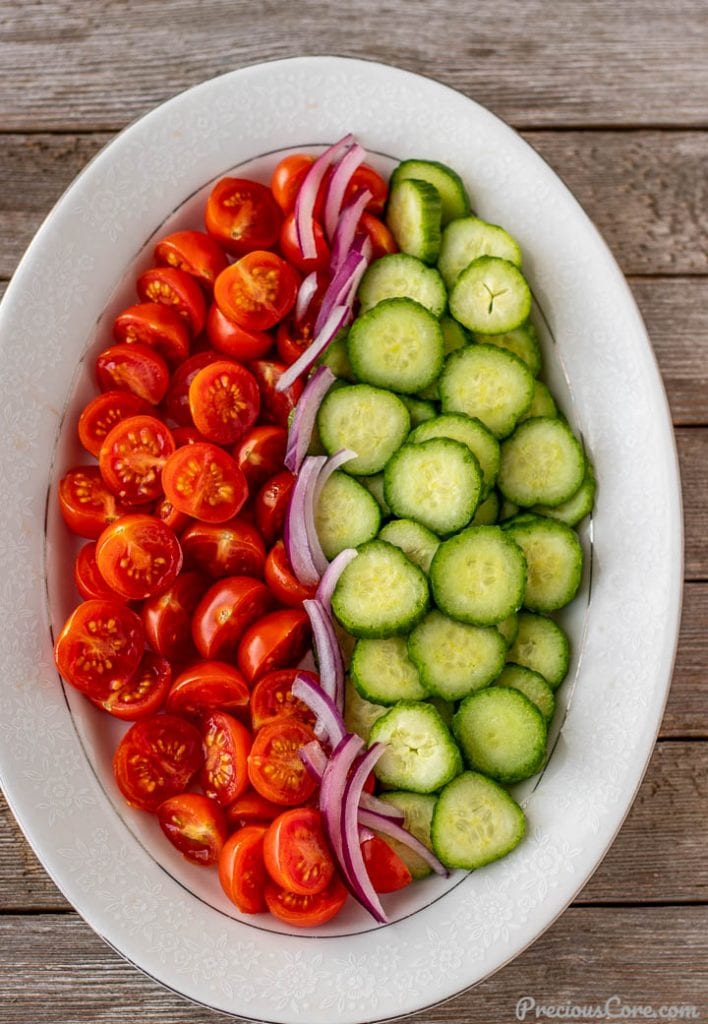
687	708
692	447
56	970
633	63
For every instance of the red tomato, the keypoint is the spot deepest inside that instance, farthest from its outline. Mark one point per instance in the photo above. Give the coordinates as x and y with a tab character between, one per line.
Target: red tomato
272	503
167	618
103	413
132	458
260	454
89	582
224	401
225	612
136	368
99	647
203	481
242	871
156	759
144	693
288	177
242	215
382	241
292	339
290	247
195	825
208	686
177	397
274	766
277	640
187	435
176	289
232	340
281	580
366	177
305	911
272	698
276	406
165	511
138	556
385	868
227	742
251	809
157	325
86	503
296	853
195	253
234	548
257	291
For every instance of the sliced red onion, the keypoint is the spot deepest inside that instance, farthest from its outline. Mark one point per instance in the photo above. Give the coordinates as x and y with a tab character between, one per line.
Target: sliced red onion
341	177
352	857
340	287
300	510
371	803
329	655
314	758
330	723
303	421
331	466
307	195
334	781
337	318
383	824
331	574
346	230
305	294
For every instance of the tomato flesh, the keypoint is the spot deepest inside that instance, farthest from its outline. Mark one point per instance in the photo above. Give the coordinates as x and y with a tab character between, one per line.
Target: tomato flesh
305	911
257	291
384	867
272	698
100	647
296	853
278	640
251	809
281	579
167	617
232	340
138	556
156	759
89	582
208	686
225	612
242	870
144	693
274	766
177	397
234	548
203	481
276	406
195	825
224	401
87	505
226	743
103	413
242	215
271	505
177	290
260	454
195	253
136	368
157	325
132	458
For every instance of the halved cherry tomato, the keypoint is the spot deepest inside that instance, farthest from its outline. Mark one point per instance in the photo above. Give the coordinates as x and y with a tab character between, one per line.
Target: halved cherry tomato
138	556
187	435
208	686
171	516
287	179
242	215
167	618
157	325
203	481
272	698
257	291
251	809
290	247
132	458
291	339
136	368
305	911
276	406
232	340
87	505
195	825
99	647
274	765
176	289
144	693
177	398
272	503
156	759
234	548
242	870
296	853
366	177
281	579
385	868
277	640
89	582
227	742
382	240
104	412
260	454
225	612
224	400
195	252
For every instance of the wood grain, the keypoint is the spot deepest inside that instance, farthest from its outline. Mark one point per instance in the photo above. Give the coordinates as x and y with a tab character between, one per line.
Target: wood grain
687	707
692	447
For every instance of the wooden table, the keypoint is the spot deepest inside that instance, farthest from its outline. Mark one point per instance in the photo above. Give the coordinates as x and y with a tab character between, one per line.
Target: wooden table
614	95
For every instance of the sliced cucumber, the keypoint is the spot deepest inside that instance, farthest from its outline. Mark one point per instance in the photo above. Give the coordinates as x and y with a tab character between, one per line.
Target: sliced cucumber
413	214
465	240
542	403
360	714
416	541
523	342
532	685
576	508
383	673
336	357
467	430
380	593
487	513
452	192
453	658
397	345
417	818
475	822
542	646
421	409
421	755
399	275
508	628
454	335
375	486
346	515
501	733
490	296
554	562
445	708
542	463
487	383
371	422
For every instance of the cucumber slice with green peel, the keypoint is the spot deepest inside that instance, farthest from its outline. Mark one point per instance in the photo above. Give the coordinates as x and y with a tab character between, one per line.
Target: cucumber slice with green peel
360	714
479	576
436	483
346	515
445	708
413	214
375	486
370	421
542	403
396	345
431	393
542	646
421	409
454	335
542	463
475	822
491	296
383	673
421	756
469	431
532	685
501	733
487	513
417	818
507	510
453	658
523	342
509	627
336	356
400	276
416	541
380	593
469	238
574	510
554	562
488	384
453	195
